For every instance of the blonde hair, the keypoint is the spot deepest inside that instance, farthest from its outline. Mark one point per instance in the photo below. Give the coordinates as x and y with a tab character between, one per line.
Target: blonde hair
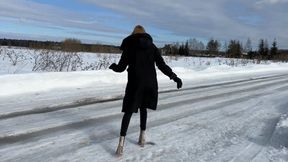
138	29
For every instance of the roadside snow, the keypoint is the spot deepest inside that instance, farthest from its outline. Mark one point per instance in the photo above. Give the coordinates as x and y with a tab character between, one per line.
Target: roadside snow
17	84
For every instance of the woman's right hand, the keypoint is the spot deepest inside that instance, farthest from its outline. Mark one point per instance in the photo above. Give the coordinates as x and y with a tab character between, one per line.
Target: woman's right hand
178	81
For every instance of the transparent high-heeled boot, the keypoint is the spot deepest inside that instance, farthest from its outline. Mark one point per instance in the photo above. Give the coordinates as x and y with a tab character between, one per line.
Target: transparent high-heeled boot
141	140
119	150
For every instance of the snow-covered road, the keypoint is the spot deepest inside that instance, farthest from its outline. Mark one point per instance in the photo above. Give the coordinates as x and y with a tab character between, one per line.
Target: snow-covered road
233	121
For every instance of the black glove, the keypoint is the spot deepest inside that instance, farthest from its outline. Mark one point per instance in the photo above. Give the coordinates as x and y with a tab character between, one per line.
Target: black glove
112	66
178	81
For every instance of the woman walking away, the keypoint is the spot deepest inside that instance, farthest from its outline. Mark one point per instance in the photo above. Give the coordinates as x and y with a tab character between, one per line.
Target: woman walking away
140	55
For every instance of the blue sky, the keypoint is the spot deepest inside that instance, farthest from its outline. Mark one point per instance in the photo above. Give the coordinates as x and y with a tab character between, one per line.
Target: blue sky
109	21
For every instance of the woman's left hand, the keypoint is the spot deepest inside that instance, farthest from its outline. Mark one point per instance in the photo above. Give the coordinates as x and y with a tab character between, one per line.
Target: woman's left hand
112	66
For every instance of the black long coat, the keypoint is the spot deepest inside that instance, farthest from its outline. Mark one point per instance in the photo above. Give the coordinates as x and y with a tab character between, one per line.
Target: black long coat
140	55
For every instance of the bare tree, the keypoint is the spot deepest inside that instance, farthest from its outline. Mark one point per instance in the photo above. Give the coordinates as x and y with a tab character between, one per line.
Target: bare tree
194	44
1	52
248	46
15	57
71	45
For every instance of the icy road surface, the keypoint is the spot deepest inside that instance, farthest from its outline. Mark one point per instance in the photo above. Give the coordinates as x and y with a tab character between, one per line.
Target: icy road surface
238	121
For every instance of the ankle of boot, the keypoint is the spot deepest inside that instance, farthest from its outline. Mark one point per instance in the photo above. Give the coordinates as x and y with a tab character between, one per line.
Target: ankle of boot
121	140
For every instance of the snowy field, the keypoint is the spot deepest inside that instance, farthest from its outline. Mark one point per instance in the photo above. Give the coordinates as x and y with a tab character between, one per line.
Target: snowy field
228	110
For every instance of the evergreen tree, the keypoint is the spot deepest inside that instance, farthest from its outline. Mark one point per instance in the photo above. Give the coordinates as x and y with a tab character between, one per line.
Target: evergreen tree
266	49
167	49
234	49
273	50
186	49
213	46
181	50
261	49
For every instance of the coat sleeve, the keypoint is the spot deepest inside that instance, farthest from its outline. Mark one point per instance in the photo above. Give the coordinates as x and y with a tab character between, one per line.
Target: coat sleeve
123	62
164	68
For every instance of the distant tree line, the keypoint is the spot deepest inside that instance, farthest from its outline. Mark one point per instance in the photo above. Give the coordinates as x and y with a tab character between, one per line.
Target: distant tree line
232	49
191	47
69	44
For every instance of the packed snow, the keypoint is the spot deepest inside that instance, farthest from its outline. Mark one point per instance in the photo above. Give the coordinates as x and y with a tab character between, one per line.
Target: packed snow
228	110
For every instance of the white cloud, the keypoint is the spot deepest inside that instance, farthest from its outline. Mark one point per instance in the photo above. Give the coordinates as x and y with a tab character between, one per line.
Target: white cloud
221	19
260	4
43	14
271	1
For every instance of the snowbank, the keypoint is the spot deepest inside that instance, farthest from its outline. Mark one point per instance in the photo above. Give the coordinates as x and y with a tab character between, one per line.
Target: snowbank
278	151
37	82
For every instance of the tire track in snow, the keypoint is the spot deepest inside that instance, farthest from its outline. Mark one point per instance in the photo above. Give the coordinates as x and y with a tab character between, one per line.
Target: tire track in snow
253	149
227	94
89	101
